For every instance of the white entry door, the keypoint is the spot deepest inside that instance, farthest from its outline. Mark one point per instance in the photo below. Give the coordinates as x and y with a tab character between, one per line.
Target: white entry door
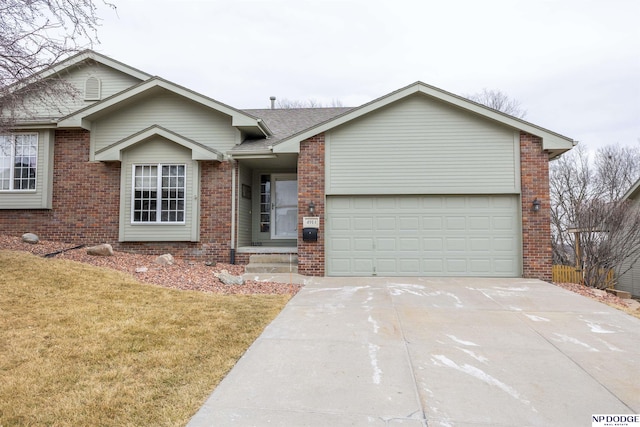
284	209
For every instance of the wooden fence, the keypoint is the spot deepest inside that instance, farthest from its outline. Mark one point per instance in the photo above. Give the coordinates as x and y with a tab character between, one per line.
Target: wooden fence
570	274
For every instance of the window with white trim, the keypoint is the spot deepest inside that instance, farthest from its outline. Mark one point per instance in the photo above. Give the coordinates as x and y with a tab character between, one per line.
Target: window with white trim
158	193
18	161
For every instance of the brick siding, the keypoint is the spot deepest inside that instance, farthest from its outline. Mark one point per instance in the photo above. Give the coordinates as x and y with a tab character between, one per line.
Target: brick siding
311	189
536	226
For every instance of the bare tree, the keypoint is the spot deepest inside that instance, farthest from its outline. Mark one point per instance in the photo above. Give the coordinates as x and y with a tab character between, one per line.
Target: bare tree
608	234
500	101
617	169
285	103
570	185
591	227
34	35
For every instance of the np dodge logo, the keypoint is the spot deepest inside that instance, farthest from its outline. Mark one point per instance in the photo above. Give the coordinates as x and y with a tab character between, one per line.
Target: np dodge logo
622	420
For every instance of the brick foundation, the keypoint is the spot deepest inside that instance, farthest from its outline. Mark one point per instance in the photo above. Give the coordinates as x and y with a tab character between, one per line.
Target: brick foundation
536	226
311	189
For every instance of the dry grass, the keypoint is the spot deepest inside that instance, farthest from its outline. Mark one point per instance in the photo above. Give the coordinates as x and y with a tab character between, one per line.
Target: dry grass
81	345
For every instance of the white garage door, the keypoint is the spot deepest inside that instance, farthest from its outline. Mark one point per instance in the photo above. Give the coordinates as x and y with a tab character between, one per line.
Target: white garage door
423	236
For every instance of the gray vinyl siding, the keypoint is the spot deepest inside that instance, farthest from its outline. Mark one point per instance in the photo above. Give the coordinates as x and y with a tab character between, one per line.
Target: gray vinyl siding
159	150
244	206
630	281
41	197
112	81
173	112
422	146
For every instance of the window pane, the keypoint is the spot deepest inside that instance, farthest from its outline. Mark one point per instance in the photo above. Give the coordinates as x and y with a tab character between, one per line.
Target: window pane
18	161
145	195
165	205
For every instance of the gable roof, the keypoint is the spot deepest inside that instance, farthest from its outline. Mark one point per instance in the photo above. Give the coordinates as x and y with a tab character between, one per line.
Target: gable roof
633	193
198	151
77	60
83	117
553	142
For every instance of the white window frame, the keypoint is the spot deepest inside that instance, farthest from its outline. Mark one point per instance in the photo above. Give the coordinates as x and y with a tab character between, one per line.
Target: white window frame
12	163
159	199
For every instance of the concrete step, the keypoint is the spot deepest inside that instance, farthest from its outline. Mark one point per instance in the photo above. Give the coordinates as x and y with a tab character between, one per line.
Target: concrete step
274	259
271	268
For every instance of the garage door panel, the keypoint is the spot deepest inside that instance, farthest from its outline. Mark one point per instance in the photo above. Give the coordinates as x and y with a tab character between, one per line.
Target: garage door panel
423	235
340	244
432	243
386	223
457	244
479	223
504	244
480	202
457	266
339	223
363	203
480	244
432	223
481	266
409	244
503	265
408	202
340	266
385	203
386	266
386	245
409	223
456	223
503	223
433	265
455	203
363	266
410	266
362	223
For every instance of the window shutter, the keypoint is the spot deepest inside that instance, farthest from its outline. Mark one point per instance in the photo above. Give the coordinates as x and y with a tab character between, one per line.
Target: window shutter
92	89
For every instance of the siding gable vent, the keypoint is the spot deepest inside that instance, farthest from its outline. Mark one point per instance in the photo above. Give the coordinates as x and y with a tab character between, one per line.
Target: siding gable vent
92	89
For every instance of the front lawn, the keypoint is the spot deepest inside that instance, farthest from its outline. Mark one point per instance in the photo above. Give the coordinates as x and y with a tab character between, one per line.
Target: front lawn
86	346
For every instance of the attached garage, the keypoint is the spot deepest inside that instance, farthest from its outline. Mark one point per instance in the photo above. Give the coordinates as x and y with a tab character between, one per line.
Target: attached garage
474	235
422	182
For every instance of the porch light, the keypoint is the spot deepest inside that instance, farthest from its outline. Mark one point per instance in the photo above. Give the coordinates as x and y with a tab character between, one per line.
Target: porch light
536	204
312	208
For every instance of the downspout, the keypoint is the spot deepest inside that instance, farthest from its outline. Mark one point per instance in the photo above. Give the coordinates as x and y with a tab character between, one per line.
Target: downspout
232	252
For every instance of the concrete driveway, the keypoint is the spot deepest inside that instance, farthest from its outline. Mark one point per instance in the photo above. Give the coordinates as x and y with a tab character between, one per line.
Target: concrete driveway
433	352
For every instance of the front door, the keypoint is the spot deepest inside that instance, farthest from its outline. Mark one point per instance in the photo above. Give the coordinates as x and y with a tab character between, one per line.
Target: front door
284	209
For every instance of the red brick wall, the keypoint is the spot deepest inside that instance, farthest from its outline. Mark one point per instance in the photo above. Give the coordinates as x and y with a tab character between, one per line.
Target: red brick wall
86	205
536	226
311	189
85	197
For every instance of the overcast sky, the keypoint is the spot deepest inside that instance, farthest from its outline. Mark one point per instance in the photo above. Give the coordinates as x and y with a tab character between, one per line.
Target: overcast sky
573	64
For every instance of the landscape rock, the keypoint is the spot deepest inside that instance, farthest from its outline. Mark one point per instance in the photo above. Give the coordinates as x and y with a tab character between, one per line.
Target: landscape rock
100	250
229	279
166	259
30	238
142	270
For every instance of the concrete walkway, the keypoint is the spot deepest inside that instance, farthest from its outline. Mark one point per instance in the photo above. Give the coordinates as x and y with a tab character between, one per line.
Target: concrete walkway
433	352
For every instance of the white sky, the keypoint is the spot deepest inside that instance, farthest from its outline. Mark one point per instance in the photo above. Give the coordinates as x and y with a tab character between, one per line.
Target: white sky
573	64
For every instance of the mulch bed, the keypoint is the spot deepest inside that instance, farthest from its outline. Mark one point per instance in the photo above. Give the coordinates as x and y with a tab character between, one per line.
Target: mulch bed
185	275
